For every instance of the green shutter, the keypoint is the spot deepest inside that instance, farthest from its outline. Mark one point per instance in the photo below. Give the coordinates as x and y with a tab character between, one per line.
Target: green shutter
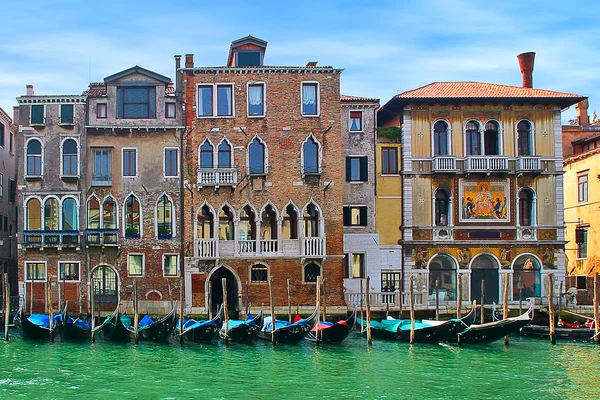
363	216
364	169
346	216
66	113
37	114
119	102
348	169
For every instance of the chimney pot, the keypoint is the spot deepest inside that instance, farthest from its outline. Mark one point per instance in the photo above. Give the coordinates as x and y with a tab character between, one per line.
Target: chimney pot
16	115
189	61
526	61
583	119
177	62
30	90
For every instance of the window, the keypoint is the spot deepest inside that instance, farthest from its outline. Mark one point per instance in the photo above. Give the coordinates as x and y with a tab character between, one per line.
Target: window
582	188
443	270
247	225
473	138
69	215
355	215
491	138
170	110
268	229
51	218
37	115
35	271
224	154
526	207
93	213
1	185
136	102
204	223
310	219
441	139
164	217
442	207
389	157
581	283
109	213
10	142
135	264
171	162
256	155
102	167
34	157
526	277
310	99
356	169
356	123
582	247
170	265
524	138
129	162
132	217
390	281
67	114
310	155
248	59
256	99
12	190
34	215
311	272
2	135
355	265
215	100
68	271
289	227
206	155
259	274
226	226
101	110
69	150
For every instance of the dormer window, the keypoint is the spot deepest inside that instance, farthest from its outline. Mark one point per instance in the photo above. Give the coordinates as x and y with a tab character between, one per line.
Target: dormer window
248	58
136	102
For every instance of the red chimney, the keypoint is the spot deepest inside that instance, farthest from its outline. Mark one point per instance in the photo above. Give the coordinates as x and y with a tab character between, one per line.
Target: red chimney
189	61
582	113
526	61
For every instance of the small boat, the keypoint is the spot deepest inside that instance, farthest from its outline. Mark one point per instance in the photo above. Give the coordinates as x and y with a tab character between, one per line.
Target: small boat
426	331
116	327
330	333
492	331
285	332
37	326
582	334
75	329
243	331
157	331
201	331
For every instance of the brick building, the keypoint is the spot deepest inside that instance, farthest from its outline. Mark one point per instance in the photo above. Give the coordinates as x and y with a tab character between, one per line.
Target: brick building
8	209
264	180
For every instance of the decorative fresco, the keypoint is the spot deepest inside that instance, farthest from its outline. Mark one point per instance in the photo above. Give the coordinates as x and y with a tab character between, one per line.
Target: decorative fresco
484	201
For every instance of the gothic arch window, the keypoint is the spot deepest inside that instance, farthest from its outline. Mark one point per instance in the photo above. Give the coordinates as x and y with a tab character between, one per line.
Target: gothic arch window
524	138
441	138
268	224
473	138
310	219
526	207
204	223
93	213
132	217
164	217
526	277
442	207
311	155
290	223
492	141
247	224
311	272
257	157
225	155
226	227
109	213
206	154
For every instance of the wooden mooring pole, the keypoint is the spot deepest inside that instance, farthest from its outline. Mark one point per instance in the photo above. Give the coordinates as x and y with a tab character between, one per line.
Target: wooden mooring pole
136	315
596	317
368	301
411	302
6	305
182	302
247	304
551	308
225	308
49	300
437	299
289	296
272	309
505	304
483	301
459	298
324	300
318	303
92	295
362	313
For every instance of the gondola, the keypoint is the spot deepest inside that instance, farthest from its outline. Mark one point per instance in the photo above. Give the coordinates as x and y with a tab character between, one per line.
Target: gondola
582	334
157	331
201	331
74	329
426	331
36	326
243	331
285	332
116	327
491	331
332	333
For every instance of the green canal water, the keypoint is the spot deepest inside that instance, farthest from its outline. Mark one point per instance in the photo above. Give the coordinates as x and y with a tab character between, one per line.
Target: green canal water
527	369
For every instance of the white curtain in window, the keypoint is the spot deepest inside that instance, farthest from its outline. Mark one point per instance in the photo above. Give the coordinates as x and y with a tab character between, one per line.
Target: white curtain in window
308	94
255	95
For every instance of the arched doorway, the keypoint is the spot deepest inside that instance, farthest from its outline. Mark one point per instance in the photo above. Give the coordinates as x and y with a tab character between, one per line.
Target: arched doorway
105	282
485	268
442	269
527	277
216	291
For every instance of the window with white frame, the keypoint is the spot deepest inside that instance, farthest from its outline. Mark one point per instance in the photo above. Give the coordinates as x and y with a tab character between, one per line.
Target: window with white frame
34	157
310	156
130	162
69	157
170	265
206	155
257	157
356	121
224	154
68	270
355	265
171	162
526	207
102	166
492	143
582	188
215	100
35	271
310	98
170	109
441	139
389	161
135	264
473	138
524	138
256	99
132	211
164	217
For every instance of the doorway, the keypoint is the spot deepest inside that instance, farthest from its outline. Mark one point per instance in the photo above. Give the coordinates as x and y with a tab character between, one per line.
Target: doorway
485	268
105	282
216	291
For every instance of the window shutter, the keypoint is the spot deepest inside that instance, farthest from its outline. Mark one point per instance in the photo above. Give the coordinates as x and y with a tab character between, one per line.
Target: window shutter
364	169
152	101
348	169
363	216
346	265
362	266
346	216
119	102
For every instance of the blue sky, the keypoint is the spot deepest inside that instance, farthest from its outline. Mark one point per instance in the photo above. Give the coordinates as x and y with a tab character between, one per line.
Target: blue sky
385	47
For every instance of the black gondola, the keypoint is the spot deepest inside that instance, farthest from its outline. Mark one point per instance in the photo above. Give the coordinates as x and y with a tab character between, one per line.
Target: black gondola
74	329
157	331
560	333
116	327
201	331
491	331
36	326
330	333
285	332
245	331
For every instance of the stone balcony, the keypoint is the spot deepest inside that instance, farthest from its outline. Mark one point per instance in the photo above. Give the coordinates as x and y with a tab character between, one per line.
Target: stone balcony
210	249
217	177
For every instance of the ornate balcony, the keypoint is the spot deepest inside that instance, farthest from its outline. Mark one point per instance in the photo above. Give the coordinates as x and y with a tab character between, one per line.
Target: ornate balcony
102	237
48	238
313	247
444	164
210	249
486	164
529	164
217	177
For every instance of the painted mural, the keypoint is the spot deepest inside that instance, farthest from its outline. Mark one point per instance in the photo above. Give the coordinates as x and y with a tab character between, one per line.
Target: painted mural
484	201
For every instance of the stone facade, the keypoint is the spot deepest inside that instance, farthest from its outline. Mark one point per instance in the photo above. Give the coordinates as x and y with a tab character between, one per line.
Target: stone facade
8	205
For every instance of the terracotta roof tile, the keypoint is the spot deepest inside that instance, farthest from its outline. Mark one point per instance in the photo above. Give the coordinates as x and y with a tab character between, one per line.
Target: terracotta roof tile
462	90
344	97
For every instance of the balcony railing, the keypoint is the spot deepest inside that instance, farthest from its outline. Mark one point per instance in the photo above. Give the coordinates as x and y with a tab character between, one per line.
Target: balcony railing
48	238
101	237
444	163
529	163
209	248
486	163
217	176
313	247
102	180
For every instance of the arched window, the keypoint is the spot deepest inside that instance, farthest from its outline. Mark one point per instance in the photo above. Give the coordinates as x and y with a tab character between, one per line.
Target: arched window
164	217
442	207
259	273
69	150
310	219
51	217
268	224
256	156
34	157
69	215
311	272
473	138
524	139
310	151
226	224
491	138
109	213
526	214
206	155
290	223
441	139
204	223
93	213
247	225
132	217
527	277
443	270
224	155
34	215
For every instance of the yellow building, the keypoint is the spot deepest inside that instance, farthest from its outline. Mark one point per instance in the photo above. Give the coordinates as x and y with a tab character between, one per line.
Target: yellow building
481	187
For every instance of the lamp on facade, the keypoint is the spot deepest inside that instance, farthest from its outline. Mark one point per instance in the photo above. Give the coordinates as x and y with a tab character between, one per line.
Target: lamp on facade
579	235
